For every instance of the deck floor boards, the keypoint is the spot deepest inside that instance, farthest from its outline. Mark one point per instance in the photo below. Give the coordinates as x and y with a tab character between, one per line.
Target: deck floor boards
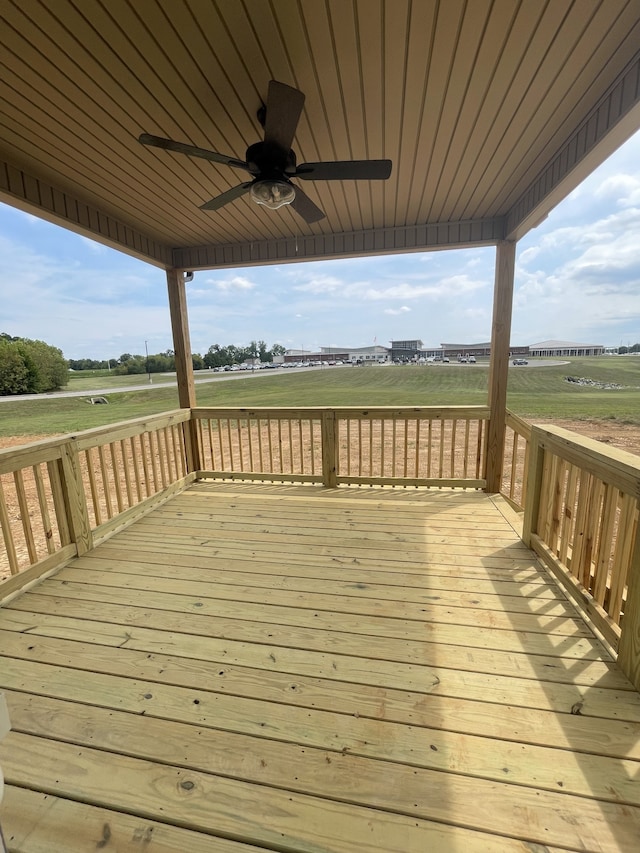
258	667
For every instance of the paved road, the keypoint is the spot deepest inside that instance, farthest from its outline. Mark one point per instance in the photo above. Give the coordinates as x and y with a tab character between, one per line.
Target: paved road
147	386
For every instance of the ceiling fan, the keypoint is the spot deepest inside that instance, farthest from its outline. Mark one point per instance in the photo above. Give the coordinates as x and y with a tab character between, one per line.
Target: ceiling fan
272	163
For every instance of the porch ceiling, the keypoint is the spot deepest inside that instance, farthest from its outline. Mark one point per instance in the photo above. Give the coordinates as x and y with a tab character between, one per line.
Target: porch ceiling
490	110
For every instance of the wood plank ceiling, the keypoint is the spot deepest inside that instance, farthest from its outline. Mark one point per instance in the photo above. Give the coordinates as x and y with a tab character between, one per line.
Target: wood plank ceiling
480	104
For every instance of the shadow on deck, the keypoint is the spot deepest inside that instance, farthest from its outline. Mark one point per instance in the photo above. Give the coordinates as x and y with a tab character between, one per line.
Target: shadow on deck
293	668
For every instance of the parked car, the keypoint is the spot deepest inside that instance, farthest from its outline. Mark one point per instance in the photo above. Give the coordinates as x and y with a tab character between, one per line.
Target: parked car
517	362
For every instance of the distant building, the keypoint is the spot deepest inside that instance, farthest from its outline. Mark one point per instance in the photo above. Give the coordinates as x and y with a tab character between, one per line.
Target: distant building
476	350
371	354
374	353
565	349
406	350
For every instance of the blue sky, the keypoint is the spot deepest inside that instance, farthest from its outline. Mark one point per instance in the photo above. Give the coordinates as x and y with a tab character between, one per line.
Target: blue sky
577	279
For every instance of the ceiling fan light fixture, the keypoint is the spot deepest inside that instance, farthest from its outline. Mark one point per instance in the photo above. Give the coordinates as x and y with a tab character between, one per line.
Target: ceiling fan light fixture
273	193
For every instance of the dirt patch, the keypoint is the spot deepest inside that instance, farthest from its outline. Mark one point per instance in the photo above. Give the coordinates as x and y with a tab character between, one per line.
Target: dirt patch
623	436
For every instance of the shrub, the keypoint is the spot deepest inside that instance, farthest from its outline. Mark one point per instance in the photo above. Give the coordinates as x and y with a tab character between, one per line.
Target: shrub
30	367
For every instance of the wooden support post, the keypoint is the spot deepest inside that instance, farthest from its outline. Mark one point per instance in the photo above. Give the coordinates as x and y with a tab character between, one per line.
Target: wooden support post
75	500
181	342
184	362
534	484
629	648
329	449
499	367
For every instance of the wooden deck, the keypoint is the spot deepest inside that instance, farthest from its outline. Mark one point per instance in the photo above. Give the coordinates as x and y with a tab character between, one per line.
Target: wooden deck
292	668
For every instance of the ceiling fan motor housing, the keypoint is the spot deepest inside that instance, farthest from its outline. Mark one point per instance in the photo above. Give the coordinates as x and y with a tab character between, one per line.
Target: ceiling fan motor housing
269	161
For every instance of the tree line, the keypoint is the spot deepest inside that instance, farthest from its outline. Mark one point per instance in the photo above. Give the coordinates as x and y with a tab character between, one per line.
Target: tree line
34	367
30	367
164	362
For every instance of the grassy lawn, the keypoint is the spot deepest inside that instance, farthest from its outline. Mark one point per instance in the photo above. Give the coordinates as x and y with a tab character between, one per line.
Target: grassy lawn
534	392
89	380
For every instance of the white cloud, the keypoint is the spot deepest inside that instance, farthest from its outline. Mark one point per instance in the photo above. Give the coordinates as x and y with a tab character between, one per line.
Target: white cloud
394	312
235	283
623	189
322	284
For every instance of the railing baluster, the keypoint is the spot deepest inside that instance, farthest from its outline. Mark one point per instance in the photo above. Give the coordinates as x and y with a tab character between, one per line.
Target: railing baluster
145	462
259	422
282	465
232	466
219	434
23	505
454	424
116	477
106	488
136	468
127	473
465	462
155	454
312	442
301	446
44	509
270	436
348	429
602	554
239	432
7	534
95	501
250	429
627	523
405	469
568	521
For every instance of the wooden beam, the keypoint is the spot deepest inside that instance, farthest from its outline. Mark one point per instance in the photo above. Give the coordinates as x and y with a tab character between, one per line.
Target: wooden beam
348	244
499	367
35	195
609	124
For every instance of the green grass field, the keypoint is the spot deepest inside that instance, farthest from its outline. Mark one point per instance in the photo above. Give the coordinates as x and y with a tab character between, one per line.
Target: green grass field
534	392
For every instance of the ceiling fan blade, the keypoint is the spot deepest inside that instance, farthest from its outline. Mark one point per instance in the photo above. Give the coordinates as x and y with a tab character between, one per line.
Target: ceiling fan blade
224	198
345	170
191	150
306	208
284	108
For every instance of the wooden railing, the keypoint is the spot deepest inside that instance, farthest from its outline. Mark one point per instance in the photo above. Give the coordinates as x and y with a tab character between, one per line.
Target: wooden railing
516	460
433	446
61	496
581	517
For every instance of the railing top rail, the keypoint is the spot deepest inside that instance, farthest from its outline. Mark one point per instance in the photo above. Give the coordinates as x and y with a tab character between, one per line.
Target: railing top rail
613	466
518	424
426	412
14	458
49	449
125	429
